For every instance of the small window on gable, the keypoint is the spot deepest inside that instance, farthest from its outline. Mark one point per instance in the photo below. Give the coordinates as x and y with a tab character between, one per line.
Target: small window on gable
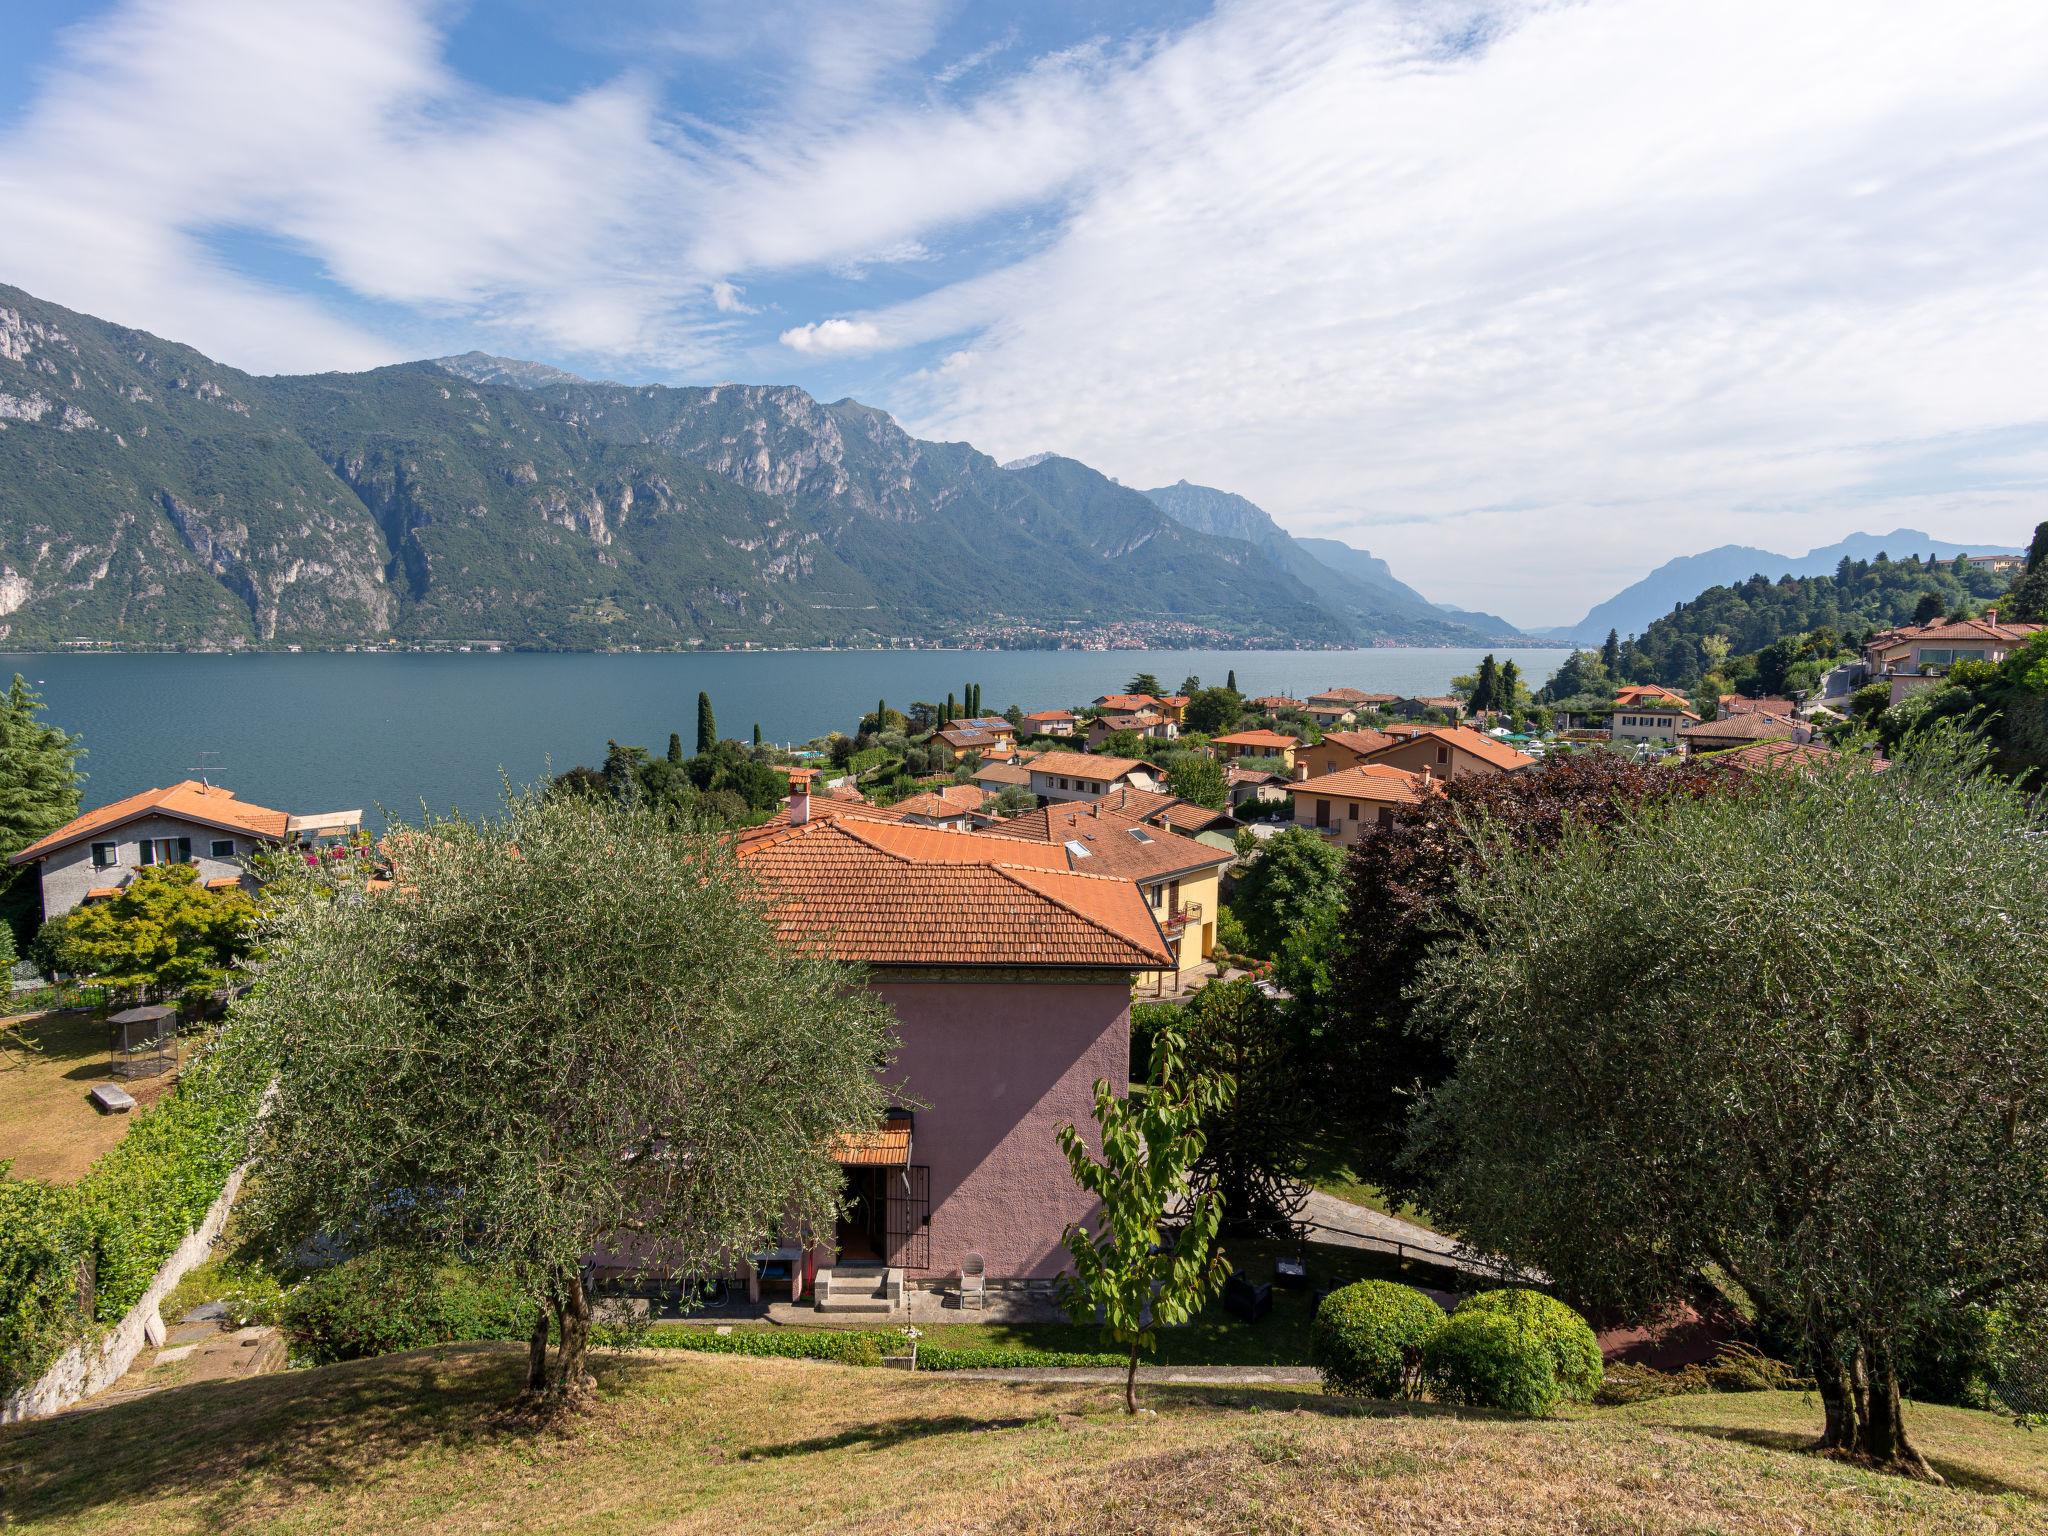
222	848
104	855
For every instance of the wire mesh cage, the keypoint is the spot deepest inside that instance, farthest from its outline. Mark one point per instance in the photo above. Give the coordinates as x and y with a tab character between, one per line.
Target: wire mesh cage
145	1041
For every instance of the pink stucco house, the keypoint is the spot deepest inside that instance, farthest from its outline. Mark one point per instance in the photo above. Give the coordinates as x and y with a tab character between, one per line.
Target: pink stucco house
1010	977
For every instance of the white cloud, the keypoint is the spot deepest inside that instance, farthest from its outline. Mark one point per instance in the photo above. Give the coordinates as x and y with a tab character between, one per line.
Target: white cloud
1625	278
834	336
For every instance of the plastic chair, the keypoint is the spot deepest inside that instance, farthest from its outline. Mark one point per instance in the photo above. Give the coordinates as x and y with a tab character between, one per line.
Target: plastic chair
973	1281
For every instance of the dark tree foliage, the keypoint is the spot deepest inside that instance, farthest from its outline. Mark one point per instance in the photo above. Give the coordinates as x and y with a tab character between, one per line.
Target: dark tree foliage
1230	680
1402	898
2029	600
707	725
1255	1140
1214	711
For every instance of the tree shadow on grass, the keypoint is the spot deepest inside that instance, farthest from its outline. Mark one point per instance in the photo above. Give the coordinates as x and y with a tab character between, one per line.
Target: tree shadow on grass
1957	1474
1270	1399
879	1437
237	1447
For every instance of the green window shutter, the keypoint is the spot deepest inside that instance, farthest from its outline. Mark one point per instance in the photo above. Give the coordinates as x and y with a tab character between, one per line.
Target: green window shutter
184	850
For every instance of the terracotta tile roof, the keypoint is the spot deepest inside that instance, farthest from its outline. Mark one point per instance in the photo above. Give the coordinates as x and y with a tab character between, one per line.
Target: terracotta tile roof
942	804
1365	781
1002	773
1237	773
1277	740
995	725
189	799
1049	714
1125	703
905	895
1349	696
1736	704
1116	842
967	740
886	1147
1358	743
1761	755
1095	767
1274	701
1641	694
1186	816
1177	700
824	809
1481	746
1144	719
1956	629
1738	728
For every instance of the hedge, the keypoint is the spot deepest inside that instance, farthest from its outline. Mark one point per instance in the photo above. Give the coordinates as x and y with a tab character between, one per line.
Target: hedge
129	1213
845	1346
999	1357
1484	1359
381	1304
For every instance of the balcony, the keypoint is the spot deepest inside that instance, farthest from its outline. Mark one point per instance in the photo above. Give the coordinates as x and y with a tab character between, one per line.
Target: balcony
1175	922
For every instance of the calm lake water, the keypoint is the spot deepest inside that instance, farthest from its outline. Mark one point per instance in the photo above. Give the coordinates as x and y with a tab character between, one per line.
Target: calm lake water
334	732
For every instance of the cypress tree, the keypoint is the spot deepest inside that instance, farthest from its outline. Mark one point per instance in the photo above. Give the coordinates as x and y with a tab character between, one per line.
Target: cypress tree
675	746
1610	653
952	709
707	726
757	733
38	791
1230	681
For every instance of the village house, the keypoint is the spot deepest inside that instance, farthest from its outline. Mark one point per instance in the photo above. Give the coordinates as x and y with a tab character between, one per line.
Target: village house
1739	704
951	806
1147	723
1916	655
1085	776
997	777
1448	704
1451	752
1346	805
1008	1010
1339	749
993	725
956	745
1179	876
1050	722
191	822
1175	707
1125	703
1649	693
1652	720
1258	744
1273	703
1259	786
1740	731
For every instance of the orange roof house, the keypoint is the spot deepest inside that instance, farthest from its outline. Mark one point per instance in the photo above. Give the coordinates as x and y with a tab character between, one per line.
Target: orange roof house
1649	693
1339	749
1088	775
1451	752
1258	743
1348	804
190	822
1009	975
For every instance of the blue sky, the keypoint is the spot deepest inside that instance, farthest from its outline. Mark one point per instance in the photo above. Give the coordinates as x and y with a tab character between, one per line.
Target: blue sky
1524	296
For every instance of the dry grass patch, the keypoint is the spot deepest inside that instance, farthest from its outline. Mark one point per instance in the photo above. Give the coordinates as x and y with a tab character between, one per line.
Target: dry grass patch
424	1442
48	1064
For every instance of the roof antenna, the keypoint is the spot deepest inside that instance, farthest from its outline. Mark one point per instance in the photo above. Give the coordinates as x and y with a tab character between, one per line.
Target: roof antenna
206	768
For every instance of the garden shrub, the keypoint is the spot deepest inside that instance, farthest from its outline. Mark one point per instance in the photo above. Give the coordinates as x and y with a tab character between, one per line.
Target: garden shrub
844	1346
1008	1357
41	1244
379	1304
1368	1339
1574	1351
1485	1359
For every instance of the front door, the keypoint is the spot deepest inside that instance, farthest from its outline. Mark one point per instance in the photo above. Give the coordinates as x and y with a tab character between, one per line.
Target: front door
862	1237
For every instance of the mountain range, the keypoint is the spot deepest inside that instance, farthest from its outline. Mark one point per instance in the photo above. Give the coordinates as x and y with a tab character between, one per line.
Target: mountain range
150	495
1632	610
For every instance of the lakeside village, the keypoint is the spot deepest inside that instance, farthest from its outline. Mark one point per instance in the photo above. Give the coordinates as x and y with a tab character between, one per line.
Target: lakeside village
1334	1035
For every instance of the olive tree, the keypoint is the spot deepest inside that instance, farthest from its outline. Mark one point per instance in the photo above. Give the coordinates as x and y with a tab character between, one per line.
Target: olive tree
1794	1032
566	1032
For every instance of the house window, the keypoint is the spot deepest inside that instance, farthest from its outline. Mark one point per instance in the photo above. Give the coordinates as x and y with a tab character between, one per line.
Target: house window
1354	810
222	848
1443	754
167	850
104	854
1322	813
1063	784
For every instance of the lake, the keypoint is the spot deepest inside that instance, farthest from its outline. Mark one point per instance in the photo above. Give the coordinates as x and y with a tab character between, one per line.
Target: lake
337	731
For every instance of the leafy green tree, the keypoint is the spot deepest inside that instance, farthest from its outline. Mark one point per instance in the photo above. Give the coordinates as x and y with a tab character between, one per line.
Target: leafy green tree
514	1066
38	791
707	725
1122	744
1133	1271
1189	686
1295	876
1255	1140
1610	653
1214	711
164	935
1199	780
1485	693
2028	602
675	747
1013	800
1928	609
1512	696
1145	683
1675	1048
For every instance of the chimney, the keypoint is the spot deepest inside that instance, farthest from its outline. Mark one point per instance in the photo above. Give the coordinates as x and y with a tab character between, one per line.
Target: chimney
800	795
1991	617
1300	772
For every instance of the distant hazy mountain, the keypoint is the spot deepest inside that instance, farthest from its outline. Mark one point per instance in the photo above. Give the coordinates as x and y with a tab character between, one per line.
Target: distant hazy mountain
1348	581
151	495
1632	610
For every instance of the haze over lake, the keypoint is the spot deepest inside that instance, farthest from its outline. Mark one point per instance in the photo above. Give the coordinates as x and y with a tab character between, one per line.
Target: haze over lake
335	731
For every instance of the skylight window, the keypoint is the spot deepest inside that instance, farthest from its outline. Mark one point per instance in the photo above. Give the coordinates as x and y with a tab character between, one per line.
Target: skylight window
1141	834
1078	851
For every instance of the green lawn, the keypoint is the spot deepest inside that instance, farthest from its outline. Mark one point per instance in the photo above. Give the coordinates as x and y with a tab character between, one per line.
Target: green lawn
1331	1170
427	1442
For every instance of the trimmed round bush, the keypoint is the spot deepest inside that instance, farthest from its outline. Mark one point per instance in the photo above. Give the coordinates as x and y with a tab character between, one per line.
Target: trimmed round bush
1487	1360
1574	1352
379	1304
1368	1338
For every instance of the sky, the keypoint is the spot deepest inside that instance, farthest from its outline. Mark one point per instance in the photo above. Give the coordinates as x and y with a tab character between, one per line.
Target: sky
1524	297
